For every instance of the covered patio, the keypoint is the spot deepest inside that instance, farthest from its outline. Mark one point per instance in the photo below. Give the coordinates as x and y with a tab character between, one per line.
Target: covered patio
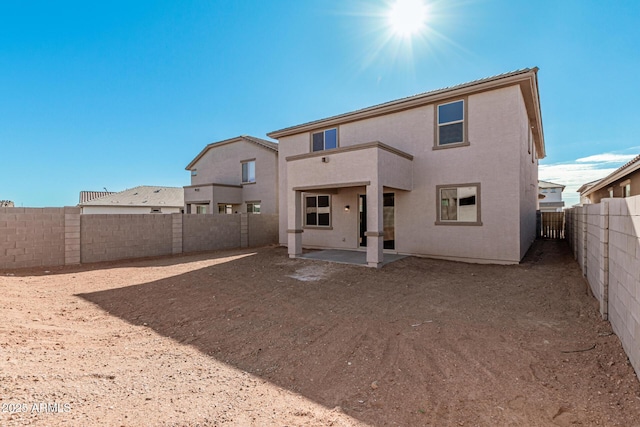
374	166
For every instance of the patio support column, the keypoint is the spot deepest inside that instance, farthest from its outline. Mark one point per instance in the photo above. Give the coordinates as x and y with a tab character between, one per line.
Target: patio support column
375	230
294	223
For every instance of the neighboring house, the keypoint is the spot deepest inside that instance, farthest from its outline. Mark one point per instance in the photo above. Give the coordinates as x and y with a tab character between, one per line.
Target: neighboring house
236	175
623	182
550	196
448	174
583	199
139	200
6	204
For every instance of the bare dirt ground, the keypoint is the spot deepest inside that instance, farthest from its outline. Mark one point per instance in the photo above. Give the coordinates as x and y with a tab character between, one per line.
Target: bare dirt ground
252	338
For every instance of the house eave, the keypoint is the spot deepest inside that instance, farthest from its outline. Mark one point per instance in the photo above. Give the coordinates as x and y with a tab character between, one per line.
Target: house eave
229	141
526	79
615	176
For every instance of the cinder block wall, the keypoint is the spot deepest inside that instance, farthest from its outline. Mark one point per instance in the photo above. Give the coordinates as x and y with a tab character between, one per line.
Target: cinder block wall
605	239
624	274
263	229
210	232
593	250
112	237
34	237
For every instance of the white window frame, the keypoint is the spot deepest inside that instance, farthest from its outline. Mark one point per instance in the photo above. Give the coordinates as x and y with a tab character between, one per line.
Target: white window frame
324	139
246	164
316	208
440	188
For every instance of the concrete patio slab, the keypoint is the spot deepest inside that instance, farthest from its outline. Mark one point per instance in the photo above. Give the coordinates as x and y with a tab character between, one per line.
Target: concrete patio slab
348	257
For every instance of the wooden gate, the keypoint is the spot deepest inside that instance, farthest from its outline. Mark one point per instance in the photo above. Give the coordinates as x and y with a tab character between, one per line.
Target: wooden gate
551	225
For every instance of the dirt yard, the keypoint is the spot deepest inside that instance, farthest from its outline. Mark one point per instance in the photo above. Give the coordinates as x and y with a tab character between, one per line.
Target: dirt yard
251	337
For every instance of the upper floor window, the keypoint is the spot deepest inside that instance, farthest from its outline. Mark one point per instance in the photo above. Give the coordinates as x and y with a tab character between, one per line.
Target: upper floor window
249	172
450	123
325	140
459	204
194	172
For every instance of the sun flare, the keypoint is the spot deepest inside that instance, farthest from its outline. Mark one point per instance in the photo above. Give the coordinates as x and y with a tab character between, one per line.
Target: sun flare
407	17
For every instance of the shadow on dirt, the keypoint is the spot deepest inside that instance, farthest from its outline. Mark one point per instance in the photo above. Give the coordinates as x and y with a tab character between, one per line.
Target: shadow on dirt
417	339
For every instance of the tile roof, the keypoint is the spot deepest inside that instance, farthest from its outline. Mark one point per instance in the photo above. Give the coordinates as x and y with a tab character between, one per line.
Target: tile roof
547	184
85	196
142	196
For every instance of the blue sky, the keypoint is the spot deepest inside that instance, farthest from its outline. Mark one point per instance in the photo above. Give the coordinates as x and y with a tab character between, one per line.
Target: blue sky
124	93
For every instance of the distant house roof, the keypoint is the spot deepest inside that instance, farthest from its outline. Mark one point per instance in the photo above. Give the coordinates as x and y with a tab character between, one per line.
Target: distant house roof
526	78
551	204
142	196
547	184
624	170
85	196
585	187
270	145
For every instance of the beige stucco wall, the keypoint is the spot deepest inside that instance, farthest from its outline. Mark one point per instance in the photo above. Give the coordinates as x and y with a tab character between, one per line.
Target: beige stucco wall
497	158
223	165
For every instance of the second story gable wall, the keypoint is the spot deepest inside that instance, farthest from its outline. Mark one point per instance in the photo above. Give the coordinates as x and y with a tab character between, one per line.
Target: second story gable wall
223	165
551	195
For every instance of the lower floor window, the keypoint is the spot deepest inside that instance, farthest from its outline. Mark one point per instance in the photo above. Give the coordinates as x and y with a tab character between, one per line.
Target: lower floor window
459	203
253	207
317	211
225	209
201	209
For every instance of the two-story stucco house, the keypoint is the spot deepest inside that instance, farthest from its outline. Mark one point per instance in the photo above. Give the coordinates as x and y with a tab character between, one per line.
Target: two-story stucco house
236	175
450	173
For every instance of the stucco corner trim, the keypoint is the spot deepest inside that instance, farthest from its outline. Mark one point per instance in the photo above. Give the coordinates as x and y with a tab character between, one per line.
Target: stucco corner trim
345	149
446	146
374	233
295	231
329	187
477	223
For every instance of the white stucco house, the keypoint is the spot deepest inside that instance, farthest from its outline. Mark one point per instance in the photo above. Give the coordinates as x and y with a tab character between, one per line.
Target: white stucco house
550	196
450	174
144	199
236	175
